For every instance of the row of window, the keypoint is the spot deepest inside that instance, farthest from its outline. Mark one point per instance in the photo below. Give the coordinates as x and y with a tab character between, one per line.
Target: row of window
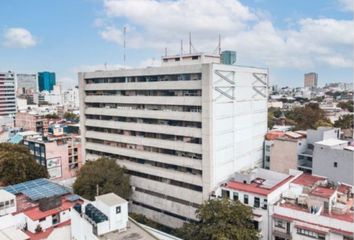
245	200
159	136
149	107
311	234
174	123
152	78
7	204
172	93
166	180
164	196
196	156
152	163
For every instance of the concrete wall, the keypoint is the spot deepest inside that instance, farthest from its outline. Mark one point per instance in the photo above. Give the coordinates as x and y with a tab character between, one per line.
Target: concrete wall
324	159
283	155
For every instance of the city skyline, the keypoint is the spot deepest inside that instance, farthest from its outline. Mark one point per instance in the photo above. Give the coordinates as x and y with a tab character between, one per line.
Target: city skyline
85	35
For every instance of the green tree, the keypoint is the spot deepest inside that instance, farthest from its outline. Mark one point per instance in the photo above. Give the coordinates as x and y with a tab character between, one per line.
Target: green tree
71	116
345	122
105	174
221	220
310	116
18	165
348	105
52	116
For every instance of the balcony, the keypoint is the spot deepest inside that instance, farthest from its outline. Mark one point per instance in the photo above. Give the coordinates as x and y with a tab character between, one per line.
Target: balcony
191	101
144	127
172	115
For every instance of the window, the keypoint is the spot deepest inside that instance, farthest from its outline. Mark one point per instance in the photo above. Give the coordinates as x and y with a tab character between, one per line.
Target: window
279	223
245	199
256	202
265	204
225	193
195	57
118	210
235	196
335	164
309	233
42	219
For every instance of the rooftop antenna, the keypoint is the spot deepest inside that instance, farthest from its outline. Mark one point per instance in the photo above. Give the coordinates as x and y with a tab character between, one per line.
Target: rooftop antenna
190	43
105	66
124	44
165	51
181	49
219	45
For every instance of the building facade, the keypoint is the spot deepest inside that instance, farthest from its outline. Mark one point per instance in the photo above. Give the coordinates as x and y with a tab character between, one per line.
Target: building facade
31	121
59	153
26	83
7	94
310	80
179	129
46	81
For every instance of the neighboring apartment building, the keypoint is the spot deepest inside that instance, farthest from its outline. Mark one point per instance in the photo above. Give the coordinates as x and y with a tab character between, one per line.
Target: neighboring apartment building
334	159
310	80
179	129
32	121
71	98
26	83
60	153
7	94
35	209
312	208
46	81
294	150
259	189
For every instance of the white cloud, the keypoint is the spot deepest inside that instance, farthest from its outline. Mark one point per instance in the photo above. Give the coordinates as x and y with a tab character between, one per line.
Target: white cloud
98	67
159	24
346	5
19	38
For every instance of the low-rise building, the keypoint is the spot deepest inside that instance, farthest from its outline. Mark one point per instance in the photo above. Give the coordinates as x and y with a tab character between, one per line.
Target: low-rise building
59	152
259	189
334	159
312	208
34	209
32	121
107	218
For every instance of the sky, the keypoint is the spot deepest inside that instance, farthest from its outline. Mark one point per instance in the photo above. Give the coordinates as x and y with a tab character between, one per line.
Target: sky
289	37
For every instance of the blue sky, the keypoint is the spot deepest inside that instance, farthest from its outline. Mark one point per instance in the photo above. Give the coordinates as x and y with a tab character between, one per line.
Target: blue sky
289	37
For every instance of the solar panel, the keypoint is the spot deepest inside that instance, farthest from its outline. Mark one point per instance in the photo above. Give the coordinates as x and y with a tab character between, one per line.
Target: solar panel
73	197
37	189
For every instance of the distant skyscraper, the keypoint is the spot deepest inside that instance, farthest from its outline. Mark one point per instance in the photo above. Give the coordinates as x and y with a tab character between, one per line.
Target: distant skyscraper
310	80
46	81
7	94
26	82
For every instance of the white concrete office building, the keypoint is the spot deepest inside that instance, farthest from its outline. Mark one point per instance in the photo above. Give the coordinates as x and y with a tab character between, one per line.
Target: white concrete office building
7	94
180	129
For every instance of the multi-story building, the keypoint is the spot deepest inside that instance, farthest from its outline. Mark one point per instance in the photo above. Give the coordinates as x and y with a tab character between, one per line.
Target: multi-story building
259	189
32	121
46	81
26	83
334	159
58	152
71	98
7	94
36	209
179	129
294	150
312	208
310	80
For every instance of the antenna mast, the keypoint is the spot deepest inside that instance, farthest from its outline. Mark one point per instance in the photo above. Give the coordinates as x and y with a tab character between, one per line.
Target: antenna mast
124	44
190	43
219	45
181	49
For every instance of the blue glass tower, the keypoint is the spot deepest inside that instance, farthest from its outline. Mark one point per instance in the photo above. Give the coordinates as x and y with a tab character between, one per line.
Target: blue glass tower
46	81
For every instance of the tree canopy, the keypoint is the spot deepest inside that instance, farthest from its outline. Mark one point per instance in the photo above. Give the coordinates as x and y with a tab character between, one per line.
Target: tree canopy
18	165
221	220
104	173
345	122
71	116
310	116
